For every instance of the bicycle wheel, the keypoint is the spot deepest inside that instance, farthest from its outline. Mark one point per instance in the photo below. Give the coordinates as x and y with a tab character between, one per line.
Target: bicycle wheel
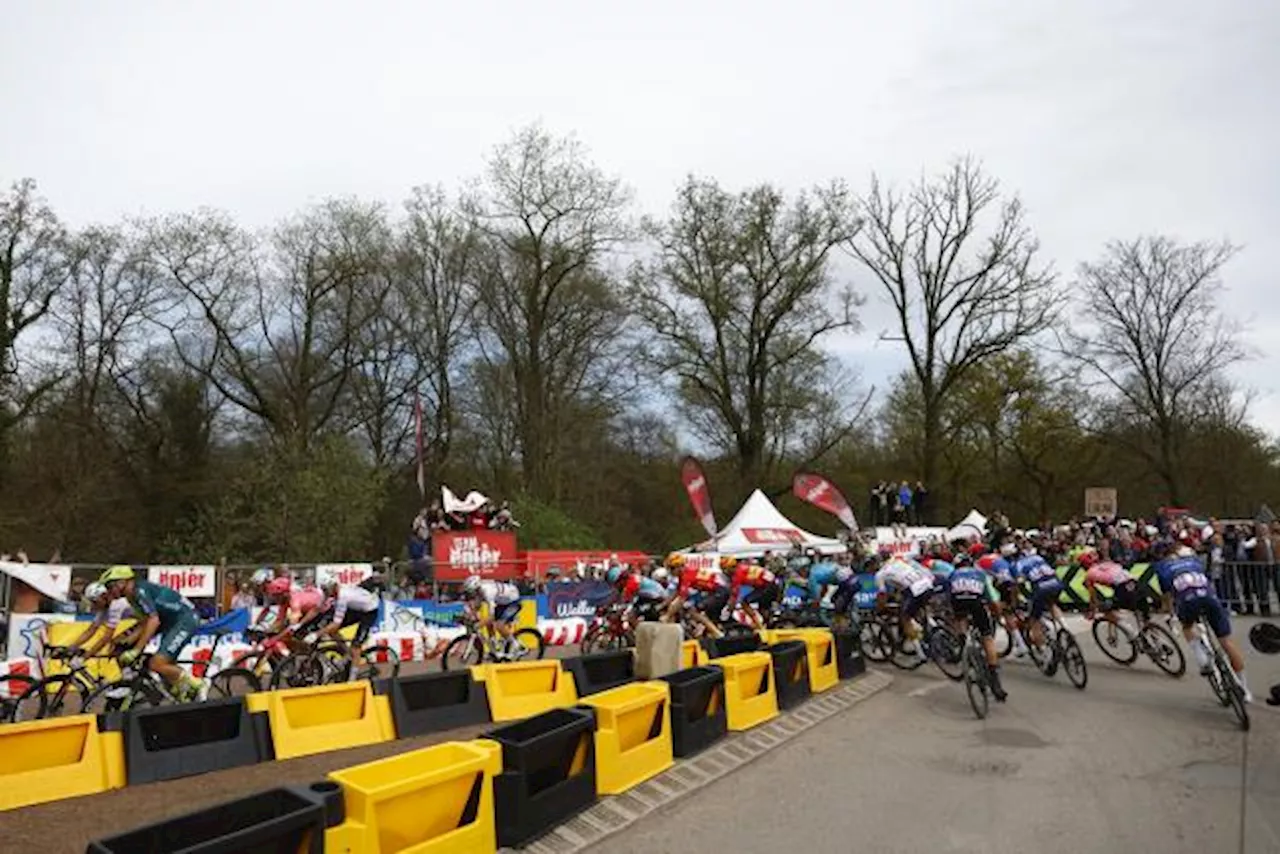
1073	659
1003	640
1115	641
54	696
1162	649
903	659
947	651
529	644
1231	687
975	680
298	671
14	689
870	637
380	662
233	682
122	695
463	651
591	640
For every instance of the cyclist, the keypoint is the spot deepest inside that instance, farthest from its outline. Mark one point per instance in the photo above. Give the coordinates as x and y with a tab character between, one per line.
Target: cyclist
663	577
973	598
107	614
712	589
914	584
162	610
1190	593
821	575
644	594
763	586
1125	594
1001	571
844	599
1045	589
503	599
351	606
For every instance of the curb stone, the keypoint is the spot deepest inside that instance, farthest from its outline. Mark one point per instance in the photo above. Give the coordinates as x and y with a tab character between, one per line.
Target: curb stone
614	813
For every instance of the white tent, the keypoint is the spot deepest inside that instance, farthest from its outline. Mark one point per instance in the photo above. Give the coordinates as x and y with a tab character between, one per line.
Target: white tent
971	527
759	527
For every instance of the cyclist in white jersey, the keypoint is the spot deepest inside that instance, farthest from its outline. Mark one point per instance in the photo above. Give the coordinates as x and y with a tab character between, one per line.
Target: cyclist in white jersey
107	615
914	584
503	599
352	606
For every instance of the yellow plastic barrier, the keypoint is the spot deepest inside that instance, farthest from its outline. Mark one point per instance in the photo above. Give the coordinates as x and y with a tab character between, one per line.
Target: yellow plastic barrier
820	647
692	654
750	697
633	735
327	717
437	800
522	689
61	758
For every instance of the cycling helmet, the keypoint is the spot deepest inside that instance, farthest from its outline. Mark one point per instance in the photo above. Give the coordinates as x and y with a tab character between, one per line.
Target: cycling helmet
614	573
660	575
1265	638
278	586
261	576
1088	559
94	590
675	561
927	563
116	573
472	584
977	550
1008	550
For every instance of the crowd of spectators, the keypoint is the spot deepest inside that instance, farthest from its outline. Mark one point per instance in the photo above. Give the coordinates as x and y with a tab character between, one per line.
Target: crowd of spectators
898	504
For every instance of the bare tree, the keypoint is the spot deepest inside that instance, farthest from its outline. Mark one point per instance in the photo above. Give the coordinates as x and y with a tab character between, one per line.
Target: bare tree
1153	334
738	300
274	327
960	267
34	267
551	313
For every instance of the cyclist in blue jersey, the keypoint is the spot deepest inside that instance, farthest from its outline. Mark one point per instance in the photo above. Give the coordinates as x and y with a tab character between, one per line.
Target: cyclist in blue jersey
1045	589
1190	593
973	599
821	576
844	600
158	609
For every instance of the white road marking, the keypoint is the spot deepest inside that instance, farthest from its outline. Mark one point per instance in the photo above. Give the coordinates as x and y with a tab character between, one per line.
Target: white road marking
927	689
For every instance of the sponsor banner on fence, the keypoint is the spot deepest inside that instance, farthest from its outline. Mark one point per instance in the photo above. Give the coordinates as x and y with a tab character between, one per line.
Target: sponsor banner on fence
457	554
910	545
190	581
576	598
345	574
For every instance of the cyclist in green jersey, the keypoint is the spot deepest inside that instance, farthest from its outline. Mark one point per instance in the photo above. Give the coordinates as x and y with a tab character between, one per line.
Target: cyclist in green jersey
163	610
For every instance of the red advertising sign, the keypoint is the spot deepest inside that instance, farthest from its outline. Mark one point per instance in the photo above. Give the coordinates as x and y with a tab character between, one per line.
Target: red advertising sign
772	536
457	554
695	483
823	494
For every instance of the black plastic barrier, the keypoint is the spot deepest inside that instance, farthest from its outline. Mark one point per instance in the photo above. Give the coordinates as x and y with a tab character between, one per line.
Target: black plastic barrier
548	773
698	716
721	647
600	671
290	819
169	742
849	660
791	672
434	702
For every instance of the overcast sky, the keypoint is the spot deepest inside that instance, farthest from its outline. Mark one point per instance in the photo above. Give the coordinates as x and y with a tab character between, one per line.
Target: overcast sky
1111	118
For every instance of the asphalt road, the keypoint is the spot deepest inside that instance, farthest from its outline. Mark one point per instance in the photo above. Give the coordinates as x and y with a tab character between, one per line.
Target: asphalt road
1136	762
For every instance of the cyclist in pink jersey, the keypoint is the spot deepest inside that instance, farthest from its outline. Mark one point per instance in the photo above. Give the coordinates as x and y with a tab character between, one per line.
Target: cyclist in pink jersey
1125	592
305	598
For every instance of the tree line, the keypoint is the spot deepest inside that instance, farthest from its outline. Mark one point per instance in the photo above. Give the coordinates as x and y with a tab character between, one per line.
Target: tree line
181	388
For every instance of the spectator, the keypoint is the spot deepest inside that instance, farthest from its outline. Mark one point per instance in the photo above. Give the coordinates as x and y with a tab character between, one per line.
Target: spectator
421	527
502	520
904	498
244	597
479	518
922	503
882	496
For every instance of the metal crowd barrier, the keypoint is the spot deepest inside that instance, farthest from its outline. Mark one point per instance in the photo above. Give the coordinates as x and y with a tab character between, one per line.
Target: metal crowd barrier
1248	587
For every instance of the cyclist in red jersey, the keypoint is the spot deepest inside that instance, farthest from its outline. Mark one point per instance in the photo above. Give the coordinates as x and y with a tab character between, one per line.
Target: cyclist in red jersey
712	589
763	586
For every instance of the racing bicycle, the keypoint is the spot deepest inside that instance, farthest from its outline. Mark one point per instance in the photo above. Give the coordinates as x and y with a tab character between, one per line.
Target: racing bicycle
1059	647
13	687
1122	644
977	674
477	645
327	662
1222	679
610	629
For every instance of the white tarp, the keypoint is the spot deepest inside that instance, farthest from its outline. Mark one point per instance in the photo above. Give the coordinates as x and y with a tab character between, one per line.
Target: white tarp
453	504
759	527
971	527
48	580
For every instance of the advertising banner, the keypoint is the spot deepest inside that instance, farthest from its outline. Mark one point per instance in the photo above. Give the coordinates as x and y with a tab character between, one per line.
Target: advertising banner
345	574
823	494
457	554
695	484
190	581
576	598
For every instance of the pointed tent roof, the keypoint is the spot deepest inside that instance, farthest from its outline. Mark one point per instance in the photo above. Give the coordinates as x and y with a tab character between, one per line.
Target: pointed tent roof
759	527
973	527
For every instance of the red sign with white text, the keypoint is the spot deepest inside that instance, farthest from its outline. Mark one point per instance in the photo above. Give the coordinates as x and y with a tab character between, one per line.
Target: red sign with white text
775	536
457	554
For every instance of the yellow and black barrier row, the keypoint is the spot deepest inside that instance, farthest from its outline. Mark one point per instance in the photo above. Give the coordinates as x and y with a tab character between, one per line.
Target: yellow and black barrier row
458	796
